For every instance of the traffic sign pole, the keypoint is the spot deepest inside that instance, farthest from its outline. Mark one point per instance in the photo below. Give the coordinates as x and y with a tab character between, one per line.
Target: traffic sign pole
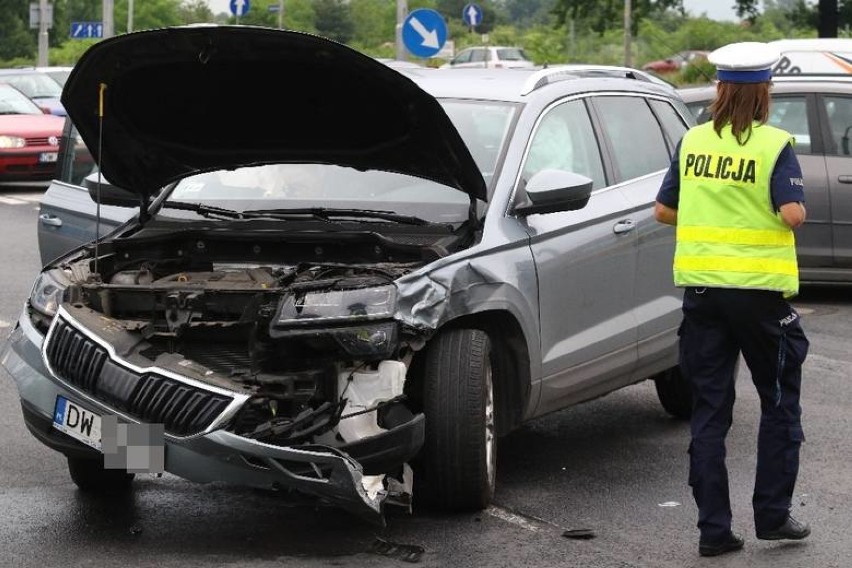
401	13
424	32
42	33
108	18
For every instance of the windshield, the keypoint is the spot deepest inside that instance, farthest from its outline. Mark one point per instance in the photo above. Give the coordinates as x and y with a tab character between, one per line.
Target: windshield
34	85
484	127
277	187
12	101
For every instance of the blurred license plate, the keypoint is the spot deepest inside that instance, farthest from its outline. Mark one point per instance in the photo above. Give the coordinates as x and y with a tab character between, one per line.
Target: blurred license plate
79	423
48	156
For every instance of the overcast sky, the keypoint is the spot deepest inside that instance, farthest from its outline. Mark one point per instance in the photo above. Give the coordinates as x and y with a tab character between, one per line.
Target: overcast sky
715	9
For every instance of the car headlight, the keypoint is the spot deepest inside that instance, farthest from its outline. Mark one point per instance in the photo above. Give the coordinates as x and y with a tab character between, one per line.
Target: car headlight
316	307
358	322
48	291
12	142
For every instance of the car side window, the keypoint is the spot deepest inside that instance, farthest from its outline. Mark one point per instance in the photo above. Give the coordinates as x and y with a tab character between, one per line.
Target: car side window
791	114
75	160
478	56
634	134
673	124
565	140
463	57
839	112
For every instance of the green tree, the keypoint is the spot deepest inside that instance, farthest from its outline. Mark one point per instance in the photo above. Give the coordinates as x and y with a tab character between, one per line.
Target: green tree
18	40
828	14
606	15
334	20
299	15
147	14
528	13
374	22
195	11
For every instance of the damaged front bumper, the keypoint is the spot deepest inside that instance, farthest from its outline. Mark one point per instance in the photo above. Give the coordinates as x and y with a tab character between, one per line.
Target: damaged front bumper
361	476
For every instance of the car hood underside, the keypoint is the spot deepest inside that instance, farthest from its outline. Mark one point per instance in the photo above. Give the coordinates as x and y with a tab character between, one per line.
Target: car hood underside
159	105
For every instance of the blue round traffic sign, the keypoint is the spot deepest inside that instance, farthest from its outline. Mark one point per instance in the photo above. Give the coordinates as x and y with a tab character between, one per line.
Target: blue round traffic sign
472	15
240	7
424	32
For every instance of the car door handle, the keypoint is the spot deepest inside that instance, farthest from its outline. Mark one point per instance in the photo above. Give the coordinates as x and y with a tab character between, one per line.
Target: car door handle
844	179
48	219
623	227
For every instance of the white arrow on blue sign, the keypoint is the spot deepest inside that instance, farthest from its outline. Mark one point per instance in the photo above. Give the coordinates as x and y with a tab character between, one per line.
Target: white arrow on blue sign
240	7
86	30
424	32
472	15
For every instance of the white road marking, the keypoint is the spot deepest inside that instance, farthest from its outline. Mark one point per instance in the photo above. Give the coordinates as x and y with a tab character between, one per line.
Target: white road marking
512	518
4	324
11	201
31	197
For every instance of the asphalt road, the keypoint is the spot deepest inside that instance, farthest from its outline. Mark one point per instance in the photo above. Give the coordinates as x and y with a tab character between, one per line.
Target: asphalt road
613	469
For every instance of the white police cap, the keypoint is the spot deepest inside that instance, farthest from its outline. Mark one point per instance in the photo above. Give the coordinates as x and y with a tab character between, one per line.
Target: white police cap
745	62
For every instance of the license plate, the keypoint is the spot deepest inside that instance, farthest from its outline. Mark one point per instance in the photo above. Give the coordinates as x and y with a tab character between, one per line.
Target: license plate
48	157
78	422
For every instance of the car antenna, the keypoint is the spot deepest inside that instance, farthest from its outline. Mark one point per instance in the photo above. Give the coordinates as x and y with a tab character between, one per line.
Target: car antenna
101	90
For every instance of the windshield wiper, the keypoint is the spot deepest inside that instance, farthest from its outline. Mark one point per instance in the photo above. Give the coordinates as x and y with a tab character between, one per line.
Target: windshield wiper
211	211
204	210
326	213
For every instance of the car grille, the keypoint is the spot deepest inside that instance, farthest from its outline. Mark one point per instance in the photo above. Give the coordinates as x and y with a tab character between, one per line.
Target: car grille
43	141
149	397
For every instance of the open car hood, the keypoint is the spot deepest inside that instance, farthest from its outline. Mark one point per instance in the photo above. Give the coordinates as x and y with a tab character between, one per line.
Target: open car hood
159	105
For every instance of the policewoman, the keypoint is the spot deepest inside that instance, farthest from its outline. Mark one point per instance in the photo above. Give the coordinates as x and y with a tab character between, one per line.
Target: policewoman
734	191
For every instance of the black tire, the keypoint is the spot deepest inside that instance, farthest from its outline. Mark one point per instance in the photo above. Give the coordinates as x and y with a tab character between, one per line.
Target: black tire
456	469
90	476
675	393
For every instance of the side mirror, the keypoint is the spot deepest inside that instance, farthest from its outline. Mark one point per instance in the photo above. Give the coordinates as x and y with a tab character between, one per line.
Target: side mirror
550	191
108	193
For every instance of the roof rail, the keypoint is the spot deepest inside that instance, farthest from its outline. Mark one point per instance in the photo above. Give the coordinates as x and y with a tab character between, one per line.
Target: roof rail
556	73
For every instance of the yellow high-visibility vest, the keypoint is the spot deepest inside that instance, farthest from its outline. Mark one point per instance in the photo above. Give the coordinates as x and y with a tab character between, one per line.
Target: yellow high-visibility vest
728	234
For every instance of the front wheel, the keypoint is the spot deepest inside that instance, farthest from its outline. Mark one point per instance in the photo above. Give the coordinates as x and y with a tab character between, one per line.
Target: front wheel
458	462
90	476
675	393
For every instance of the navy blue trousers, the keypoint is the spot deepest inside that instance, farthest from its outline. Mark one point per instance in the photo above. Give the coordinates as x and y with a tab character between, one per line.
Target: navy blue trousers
718	325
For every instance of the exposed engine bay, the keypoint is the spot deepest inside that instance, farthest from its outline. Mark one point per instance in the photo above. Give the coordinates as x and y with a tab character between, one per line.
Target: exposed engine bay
313	347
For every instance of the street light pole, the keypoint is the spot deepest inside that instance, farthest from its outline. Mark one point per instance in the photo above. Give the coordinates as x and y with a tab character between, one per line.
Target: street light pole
108	20
401	14
129	16
628	60
280	14
42	33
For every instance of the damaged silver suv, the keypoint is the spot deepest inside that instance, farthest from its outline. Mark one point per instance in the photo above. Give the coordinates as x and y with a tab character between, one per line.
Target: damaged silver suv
353	295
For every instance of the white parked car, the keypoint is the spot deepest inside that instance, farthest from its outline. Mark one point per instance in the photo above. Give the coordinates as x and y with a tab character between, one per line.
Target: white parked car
493	57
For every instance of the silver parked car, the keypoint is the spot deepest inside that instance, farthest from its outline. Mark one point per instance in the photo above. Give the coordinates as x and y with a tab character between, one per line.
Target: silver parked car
354	297
817	111
490	57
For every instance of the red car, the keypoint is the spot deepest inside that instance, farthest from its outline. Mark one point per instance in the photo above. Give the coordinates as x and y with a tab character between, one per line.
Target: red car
676	62
29	140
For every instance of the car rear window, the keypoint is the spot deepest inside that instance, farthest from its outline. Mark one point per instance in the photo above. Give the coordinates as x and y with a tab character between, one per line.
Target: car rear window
511	54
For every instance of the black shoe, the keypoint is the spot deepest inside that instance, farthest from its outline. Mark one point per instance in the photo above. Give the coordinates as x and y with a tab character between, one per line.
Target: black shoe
730	543
791	529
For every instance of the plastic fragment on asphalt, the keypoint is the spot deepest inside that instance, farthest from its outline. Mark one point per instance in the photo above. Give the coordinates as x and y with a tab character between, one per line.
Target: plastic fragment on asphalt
579	533
405	552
